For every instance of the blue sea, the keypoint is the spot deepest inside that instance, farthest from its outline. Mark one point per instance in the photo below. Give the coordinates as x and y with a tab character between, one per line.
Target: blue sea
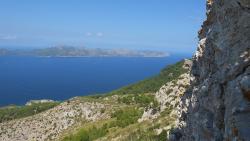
28	78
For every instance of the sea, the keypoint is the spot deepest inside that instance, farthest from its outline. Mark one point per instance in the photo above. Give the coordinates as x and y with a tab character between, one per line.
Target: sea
59	78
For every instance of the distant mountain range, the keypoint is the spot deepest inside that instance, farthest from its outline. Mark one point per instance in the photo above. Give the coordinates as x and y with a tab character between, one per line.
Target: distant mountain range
68	51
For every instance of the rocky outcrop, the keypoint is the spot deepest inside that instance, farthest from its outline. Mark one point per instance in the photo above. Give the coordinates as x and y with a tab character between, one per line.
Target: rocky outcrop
218	106
50	124
169	95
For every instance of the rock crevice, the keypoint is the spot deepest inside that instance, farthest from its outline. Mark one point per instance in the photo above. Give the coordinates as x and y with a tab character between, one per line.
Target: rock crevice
218	103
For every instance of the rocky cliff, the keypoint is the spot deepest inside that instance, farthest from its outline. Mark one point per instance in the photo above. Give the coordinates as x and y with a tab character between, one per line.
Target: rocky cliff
218	104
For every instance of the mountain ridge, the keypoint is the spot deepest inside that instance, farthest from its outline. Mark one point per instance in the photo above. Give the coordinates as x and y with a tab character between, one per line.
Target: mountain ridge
70	51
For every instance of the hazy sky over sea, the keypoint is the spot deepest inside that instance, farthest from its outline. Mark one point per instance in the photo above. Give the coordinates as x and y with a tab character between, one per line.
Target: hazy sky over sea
168	25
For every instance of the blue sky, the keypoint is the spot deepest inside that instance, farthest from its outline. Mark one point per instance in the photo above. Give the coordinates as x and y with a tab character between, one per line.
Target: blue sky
166	25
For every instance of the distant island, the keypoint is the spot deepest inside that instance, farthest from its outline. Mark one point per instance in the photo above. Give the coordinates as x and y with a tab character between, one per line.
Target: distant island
68	51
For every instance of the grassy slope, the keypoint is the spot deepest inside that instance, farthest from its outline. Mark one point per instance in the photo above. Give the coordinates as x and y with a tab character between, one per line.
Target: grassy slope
123	122
154	83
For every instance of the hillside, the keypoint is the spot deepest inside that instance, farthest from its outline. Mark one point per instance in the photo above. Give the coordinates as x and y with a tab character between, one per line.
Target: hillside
153	84
206	99
142	116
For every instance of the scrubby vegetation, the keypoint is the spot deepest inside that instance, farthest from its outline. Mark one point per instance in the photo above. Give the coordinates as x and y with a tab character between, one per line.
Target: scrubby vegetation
88	134
146	135
120	119
153	84
133	99
125	117
124	120
140	99
15	112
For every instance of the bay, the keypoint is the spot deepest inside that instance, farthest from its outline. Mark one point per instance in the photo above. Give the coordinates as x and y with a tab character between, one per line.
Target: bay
60	78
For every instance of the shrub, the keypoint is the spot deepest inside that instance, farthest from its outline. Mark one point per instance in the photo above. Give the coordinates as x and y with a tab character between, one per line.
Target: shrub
162	136
140	99
15	112
88	134
146	135
125	117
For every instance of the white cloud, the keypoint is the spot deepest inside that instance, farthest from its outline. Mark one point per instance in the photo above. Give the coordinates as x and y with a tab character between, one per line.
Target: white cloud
7	37
99	34
91	34
88	34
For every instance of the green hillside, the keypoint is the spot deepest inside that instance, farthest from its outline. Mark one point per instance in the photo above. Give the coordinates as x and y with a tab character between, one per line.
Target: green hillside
154	83
132	100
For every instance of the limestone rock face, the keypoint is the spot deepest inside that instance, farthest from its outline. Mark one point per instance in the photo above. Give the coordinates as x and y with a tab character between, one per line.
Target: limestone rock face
218	106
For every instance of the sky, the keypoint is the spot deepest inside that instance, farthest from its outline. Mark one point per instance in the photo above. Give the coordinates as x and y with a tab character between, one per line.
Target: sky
163	25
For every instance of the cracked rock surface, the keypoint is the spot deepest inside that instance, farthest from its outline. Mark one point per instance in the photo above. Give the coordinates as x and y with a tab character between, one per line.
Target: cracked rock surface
218	107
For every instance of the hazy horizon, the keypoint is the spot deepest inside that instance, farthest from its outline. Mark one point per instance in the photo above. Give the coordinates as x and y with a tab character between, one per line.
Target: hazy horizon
142	25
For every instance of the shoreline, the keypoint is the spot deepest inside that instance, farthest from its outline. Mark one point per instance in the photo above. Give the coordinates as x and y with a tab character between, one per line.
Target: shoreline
85	56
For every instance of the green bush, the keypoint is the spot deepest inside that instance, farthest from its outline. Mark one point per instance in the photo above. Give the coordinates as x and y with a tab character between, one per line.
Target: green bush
125	117
141	99
146	135
145	100
162	136
15	112
88	134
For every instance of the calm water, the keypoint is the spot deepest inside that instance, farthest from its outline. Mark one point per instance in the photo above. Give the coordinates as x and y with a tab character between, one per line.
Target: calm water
26	78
